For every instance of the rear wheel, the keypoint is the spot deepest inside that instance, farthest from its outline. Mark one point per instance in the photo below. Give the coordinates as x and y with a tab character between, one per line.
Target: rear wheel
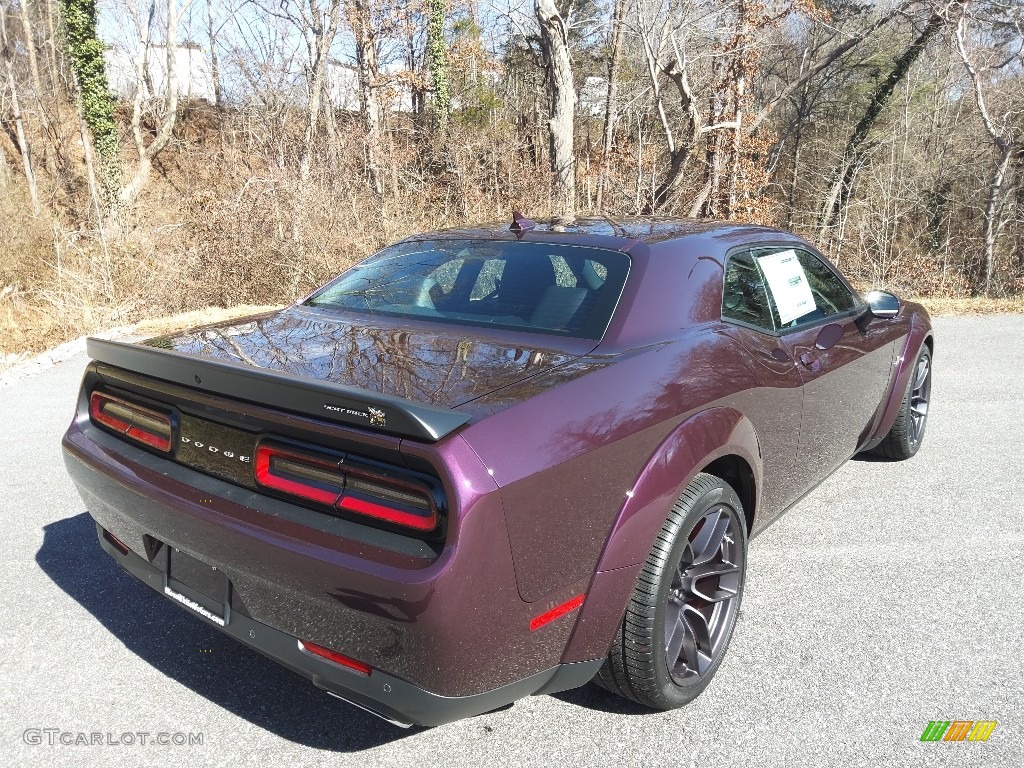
907	433
684	606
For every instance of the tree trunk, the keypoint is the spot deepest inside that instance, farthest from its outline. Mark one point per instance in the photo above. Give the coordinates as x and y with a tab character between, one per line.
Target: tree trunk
682	148
90	170
26	153
611	99
49	159
1002	138
561	126
712	204
30	47
1019	170
323	26
369	99
739	93
844	173
131	191
992	206
214	63
7	49
52	31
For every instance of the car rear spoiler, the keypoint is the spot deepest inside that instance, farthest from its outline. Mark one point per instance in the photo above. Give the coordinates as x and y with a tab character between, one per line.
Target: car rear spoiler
300	394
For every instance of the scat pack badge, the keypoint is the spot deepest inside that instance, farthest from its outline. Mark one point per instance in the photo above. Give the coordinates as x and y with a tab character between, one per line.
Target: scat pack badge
377	417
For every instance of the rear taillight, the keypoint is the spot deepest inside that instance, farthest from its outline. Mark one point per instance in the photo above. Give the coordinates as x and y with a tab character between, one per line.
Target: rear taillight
344	486
299	474
134	421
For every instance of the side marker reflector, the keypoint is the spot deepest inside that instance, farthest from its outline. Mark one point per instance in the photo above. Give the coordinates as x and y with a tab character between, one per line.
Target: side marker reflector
557	612
337	658
119	545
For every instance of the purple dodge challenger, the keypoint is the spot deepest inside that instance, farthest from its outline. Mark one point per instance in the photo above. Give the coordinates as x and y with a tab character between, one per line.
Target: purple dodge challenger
494	462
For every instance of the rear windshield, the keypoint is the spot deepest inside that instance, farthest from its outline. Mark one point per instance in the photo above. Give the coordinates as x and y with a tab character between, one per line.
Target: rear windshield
557	289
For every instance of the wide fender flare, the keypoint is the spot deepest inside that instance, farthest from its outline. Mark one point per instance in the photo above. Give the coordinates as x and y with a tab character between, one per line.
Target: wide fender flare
689	448
920	332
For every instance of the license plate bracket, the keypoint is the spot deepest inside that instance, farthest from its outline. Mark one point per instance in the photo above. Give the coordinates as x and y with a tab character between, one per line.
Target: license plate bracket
203	588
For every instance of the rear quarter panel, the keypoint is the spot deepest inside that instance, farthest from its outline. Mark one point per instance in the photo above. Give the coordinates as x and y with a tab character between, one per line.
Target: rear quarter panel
569	457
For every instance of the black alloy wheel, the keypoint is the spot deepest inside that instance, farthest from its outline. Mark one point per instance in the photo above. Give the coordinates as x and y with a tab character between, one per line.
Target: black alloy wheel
907	433
920	394
685	603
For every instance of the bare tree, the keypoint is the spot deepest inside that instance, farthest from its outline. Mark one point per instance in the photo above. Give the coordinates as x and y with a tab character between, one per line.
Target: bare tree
1002	136
826	59
663	37
368	68
169	102
7	50
611	97
844	173
554	40
213	31
319	25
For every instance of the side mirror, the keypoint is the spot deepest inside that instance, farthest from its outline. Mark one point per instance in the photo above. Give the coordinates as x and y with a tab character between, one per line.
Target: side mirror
883	304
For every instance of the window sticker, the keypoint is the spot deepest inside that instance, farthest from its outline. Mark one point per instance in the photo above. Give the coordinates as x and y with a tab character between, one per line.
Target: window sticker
788	284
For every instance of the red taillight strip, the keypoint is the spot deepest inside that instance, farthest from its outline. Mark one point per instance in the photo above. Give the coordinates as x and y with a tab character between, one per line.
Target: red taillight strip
558	611
337	658
160	443
266	477
390	514
332	482
136	431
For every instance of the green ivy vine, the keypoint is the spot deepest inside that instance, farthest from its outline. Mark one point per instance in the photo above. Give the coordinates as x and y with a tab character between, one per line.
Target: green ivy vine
85	51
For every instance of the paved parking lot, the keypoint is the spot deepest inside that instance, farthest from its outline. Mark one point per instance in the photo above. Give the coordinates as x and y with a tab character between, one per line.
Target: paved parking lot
889	597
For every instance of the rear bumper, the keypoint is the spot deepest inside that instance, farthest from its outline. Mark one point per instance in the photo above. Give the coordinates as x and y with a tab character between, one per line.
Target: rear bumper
384	695
445	632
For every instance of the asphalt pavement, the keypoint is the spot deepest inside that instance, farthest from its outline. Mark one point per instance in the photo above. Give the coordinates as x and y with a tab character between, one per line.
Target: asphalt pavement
889	597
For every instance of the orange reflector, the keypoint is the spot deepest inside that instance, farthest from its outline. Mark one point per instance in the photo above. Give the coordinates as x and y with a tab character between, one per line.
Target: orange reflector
567	607
337	658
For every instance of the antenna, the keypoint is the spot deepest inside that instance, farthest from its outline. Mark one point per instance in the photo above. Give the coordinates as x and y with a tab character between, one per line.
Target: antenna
520	224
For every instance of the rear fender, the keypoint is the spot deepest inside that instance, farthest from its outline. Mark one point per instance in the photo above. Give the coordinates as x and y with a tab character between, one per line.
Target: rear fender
689	448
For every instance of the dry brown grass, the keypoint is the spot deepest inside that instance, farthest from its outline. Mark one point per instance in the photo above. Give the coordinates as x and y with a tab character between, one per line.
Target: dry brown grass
161	326
979	305
11	362
223	223
227	222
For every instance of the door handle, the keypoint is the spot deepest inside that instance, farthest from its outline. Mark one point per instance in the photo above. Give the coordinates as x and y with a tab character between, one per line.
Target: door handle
811	363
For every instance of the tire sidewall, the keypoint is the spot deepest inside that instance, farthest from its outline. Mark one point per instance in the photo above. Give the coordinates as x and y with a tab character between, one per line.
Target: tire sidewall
910	448
675	695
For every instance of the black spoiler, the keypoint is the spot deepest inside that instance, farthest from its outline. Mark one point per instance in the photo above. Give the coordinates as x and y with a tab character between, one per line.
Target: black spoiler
300	394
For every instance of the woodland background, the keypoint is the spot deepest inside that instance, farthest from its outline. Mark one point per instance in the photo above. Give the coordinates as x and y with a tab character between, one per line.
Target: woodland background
891	134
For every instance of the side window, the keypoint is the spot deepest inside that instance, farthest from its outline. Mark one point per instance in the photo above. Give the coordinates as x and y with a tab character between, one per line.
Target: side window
801	287
830	293
744	295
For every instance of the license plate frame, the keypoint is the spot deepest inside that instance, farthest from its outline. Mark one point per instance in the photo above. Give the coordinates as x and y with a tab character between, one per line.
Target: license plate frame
202	588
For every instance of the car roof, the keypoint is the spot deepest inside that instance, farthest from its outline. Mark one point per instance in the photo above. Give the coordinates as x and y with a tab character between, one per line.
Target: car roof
603	231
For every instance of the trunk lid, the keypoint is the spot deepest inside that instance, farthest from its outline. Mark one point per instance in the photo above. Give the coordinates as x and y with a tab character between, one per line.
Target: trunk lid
437	364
